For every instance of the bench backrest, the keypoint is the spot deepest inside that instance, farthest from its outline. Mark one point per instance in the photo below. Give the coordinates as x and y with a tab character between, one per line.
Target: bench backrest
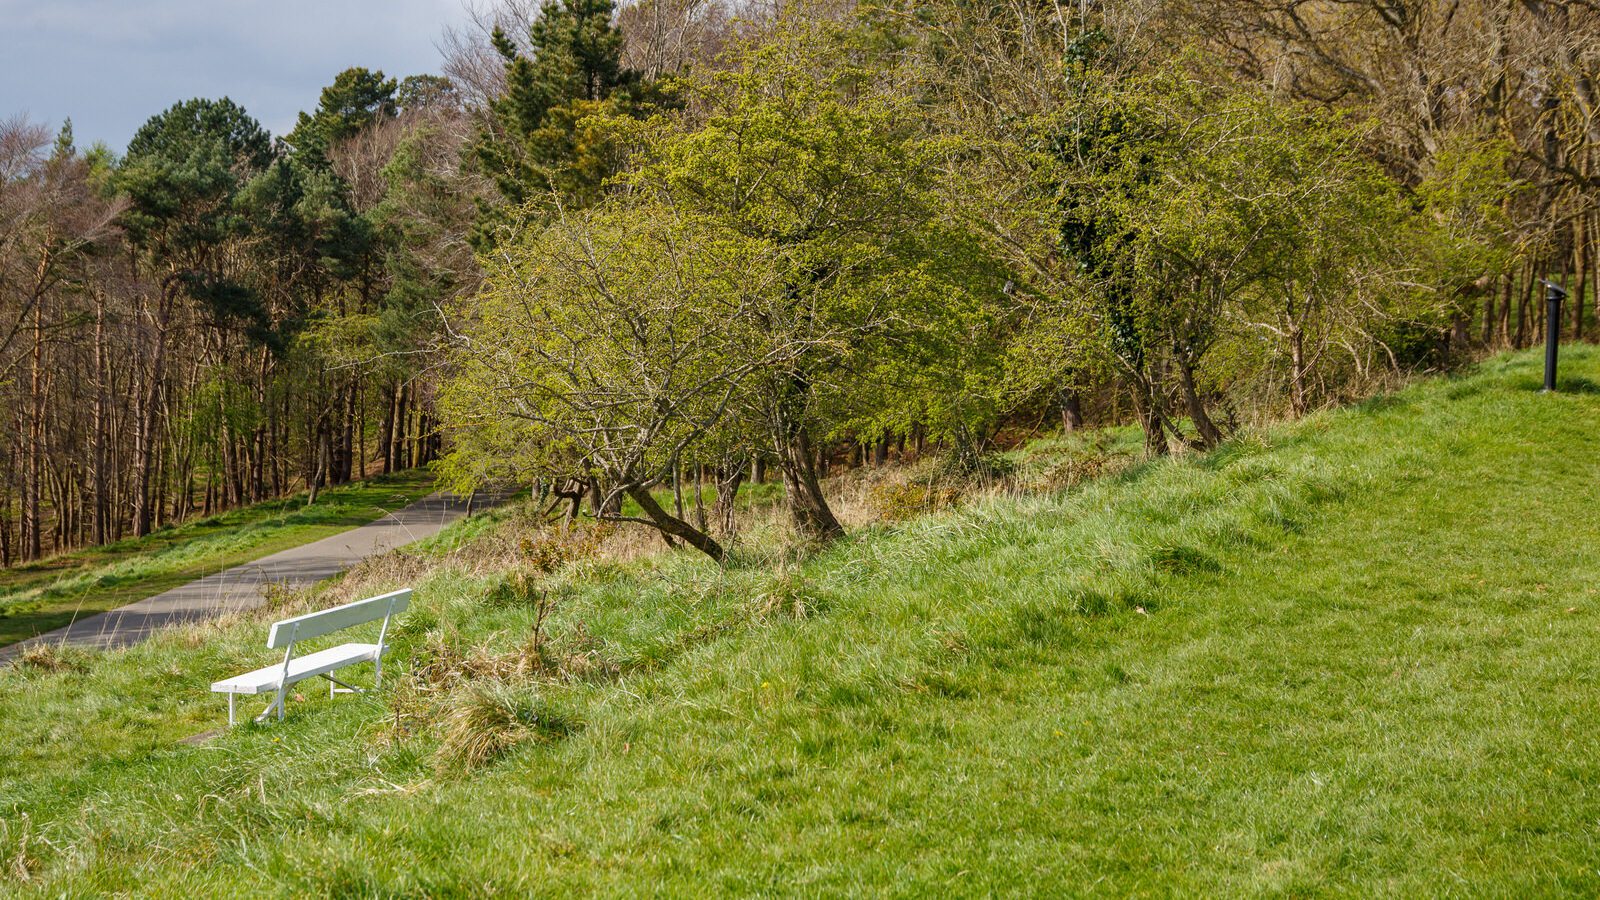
317	624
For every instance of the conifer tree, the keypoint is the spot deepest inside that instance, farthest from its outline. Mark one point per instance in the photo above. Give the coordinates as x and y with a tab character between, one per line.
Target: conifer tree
536	144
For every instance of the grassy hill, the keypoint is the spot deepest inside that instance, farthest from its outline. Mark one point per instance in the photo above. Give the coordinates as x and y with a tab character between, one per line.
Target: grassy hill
1355	654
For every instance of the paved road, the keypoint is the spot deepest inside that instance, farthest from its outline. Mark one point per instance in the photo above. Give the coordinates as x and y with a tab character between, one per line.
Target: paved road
239	588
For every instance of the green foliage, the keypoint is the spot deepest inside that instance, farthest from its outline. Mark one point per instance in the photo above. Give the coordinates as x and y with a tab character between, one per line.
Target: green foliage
545	145
182	173
418	92
356	99
778	270
1466	195
1217	233
801	147
606	343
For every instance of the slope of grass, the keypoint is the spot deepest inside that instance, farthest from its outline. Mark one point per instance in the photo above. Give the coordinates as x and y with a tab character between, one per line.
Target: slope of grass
1354	655
50	593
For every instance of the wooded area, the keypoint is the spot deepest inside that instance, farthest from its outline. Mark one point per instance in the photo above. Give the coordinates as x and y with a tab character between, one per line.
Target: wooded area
684	242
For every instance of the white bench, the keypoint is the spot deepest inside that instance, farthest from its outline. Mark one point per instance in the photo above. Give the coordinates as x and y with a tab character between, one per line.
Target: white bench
275	679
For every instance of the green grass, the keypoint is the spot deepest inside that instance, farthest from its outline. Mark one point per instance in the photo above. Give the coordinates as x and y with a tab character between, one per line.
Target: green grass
50	593
1359	654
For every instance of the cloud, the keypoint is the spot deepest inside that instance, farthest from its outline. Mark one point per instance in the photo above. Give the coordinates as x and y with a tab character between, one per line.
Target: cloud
111	65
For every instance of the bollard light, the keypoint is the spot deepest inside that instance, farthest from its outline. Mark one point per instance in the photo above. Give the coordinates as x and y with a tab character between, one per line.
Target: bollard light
1553	295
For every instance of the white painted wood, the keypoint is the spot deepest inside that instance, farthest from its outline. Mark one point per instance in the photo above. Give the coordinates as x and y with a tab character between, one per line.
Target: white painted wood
327	621
275	677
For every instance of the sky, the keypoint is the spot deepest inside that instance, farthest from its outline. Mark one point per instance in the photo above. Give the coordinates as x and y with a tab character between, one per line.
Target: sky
112	64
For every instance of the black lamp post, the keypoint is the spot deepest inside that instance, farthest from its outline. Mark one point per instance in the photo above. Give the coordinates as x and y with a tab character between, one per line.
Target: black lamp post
1553	295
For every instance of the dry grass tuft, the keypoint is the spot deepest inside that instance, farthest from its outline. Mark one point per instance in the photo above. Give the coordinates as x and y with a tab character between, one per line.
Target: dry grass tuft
446	683
790	596
46	658
486	719
548	552
386	571
891	502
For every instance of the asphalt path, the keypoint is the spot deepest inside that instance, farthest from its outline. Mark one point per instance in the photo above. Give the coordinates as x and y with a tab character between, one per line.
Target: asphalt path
240	587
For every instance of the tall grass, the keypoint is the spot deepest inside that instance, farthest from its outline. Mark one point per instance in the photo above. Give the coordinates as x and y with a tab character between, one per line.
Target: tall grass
1355	654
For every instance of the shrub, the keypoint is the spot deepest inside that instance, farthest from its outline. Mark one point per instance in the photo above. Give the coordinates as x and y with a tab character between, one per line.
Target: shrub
960	465
898	502
1078	469
547	553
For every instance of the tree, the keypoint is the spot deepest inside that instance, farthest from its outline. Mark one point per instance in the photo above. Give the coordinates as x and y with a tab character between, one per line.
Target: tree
796	148
52	222
183	173
356	100
606	347
535	145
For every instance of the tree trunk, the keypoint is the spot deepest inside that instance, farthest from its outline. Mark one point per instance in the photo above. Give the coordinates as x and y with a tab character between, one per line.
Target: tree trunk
1460	331
386	431
320	474
723	510
1524	303
672	526
1147	406
31	510
1210	435
807	506
97	444
699	498
361	439
1503	328
1488	315
677	489
5	531
145	437
347	432
1297	377
1071	410
397	447
1580	263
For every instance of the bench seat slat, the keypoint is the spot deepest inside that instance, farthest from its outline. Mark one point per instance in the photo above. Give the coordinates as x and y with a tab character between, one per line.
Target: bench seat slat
265	680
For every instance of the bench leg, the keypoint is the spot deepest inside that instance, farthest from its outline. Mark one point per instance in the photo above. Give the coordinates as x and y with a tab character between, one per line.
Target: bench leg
277	703
334	684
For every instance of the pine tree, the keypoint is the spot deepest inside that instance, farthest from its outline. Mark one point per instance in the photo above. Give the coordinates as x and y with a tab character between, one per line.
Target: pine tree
535	144
357	98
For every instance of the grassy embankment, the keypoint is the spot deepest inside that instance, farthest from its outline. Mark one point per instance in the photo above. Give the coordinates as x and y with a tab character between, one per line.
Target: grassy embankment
1355	654
50	593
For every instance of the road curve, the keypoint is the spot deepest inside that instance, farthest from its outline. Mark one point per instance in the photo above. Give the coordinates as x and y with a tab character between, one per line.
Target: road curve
239	588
